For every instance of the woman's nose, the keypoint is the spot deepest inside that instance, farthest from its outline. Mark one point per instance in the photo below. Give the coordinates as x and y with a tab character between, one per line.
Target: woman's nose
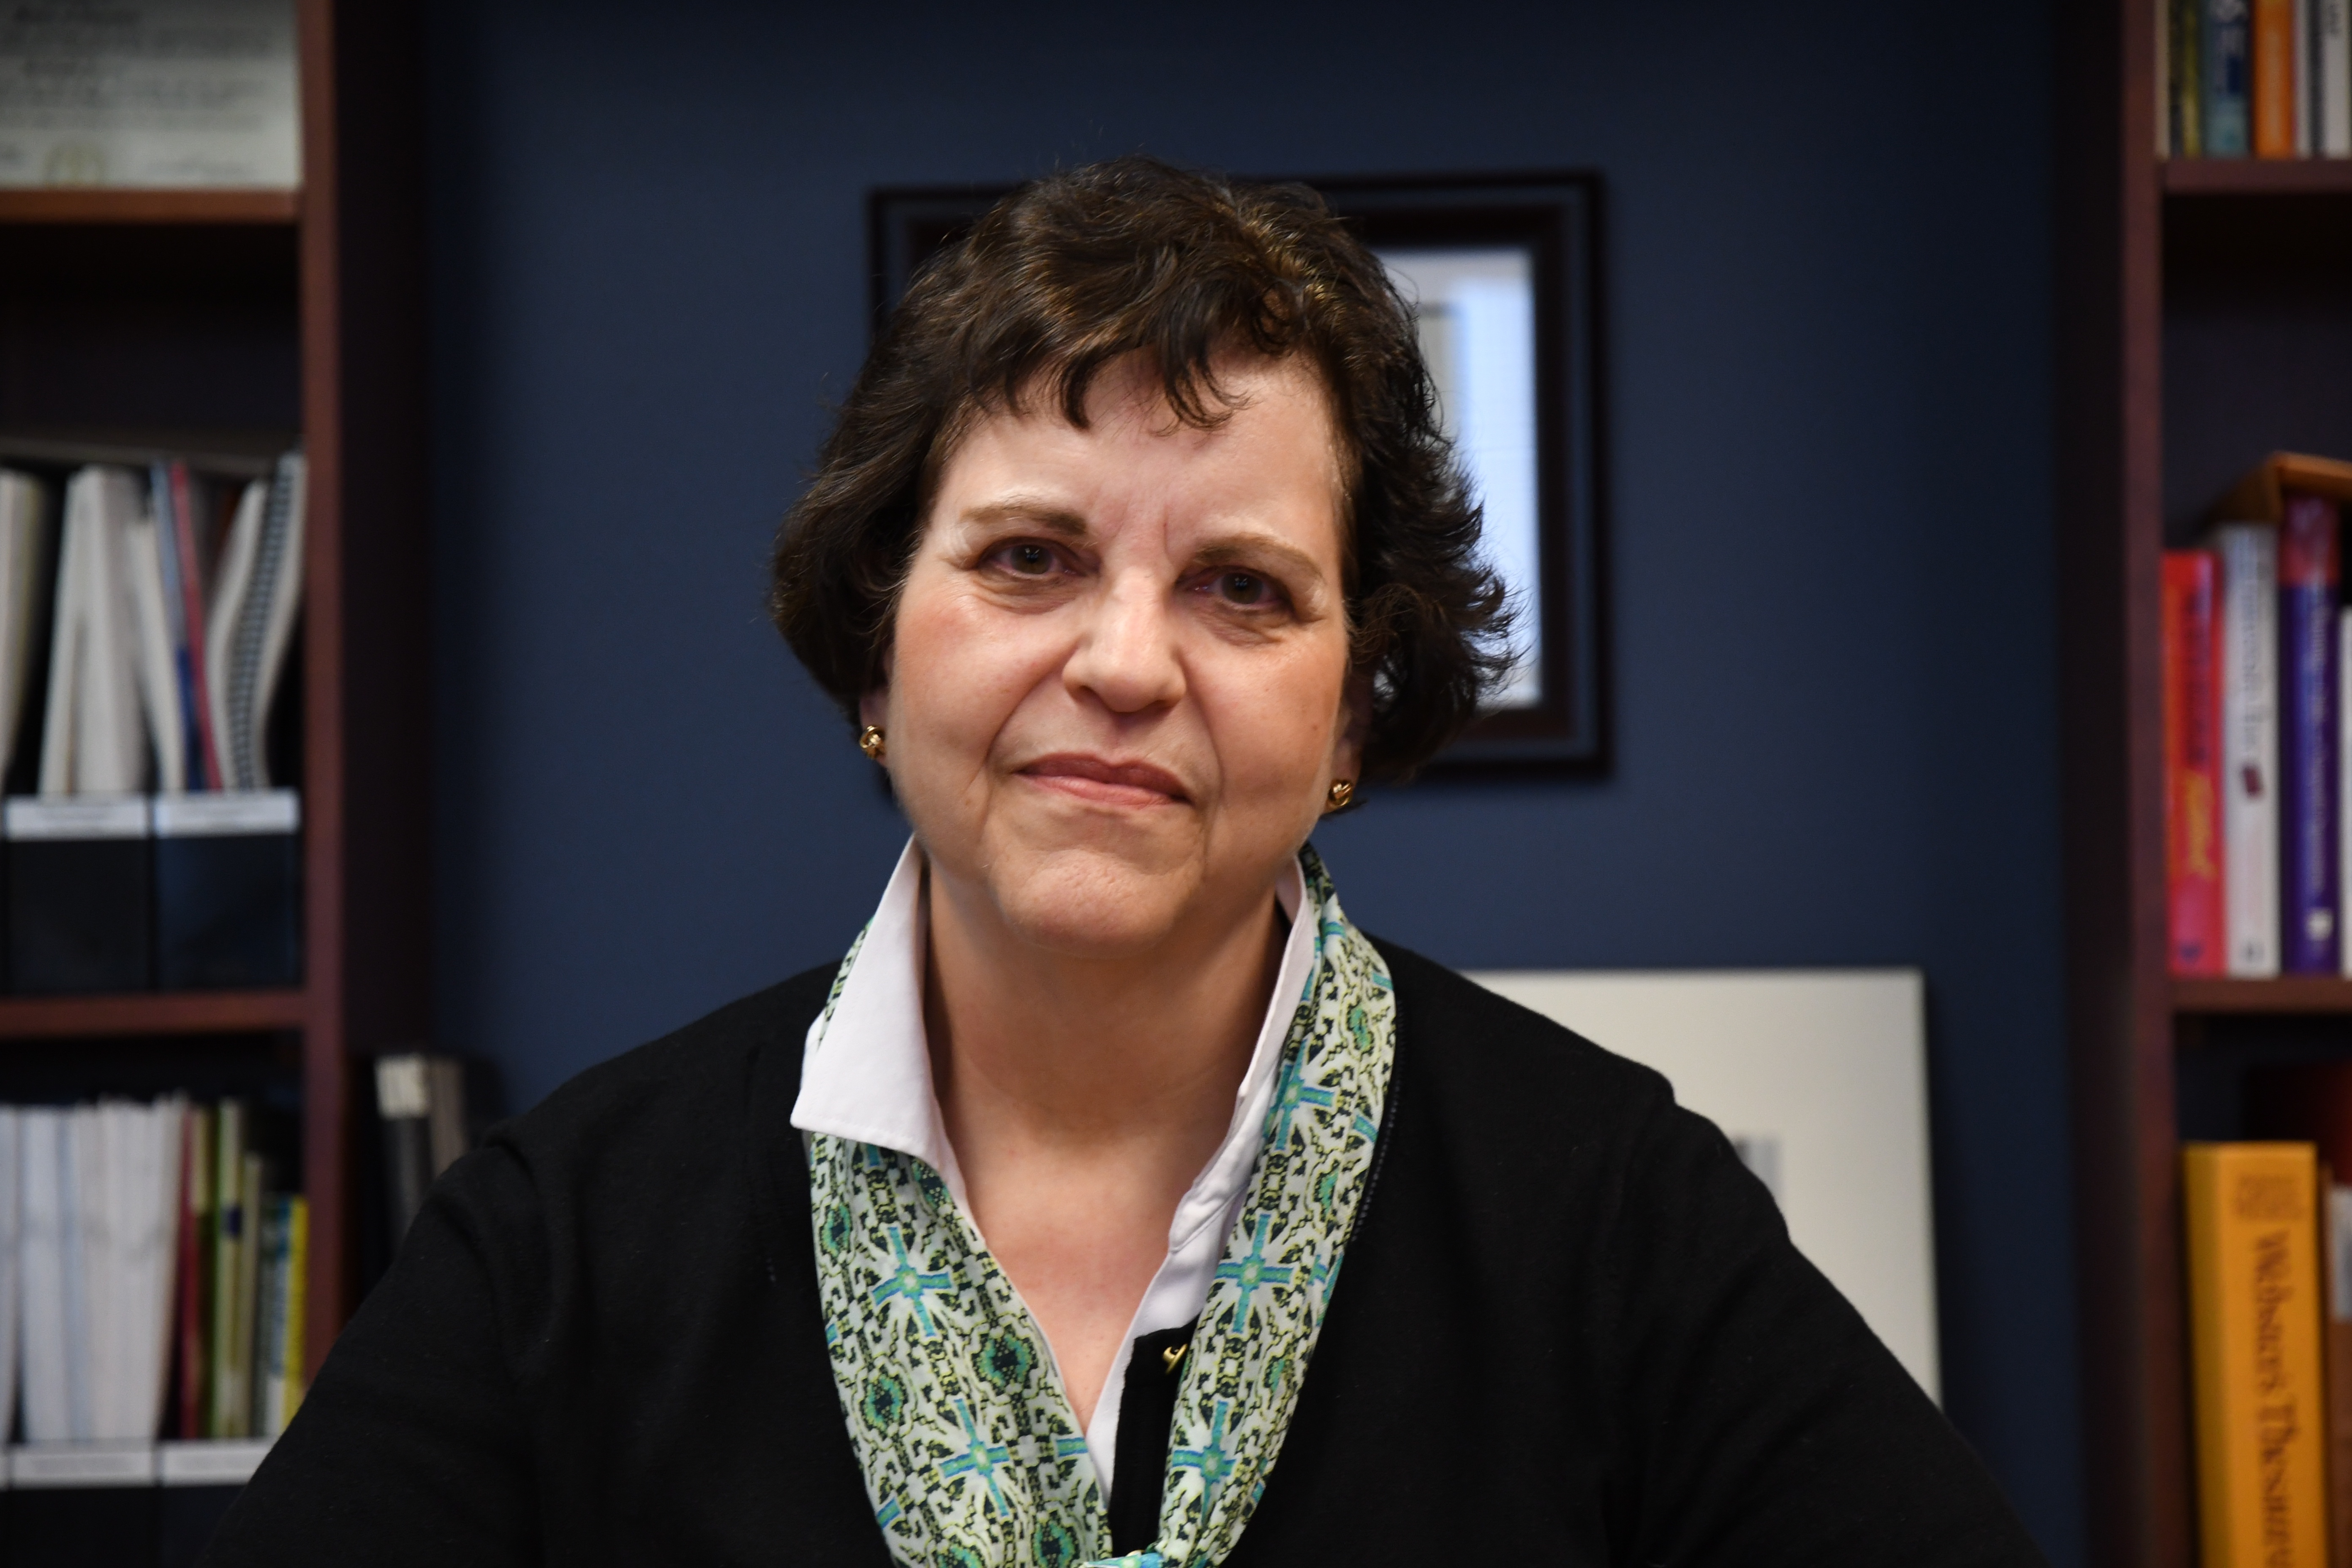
1125	656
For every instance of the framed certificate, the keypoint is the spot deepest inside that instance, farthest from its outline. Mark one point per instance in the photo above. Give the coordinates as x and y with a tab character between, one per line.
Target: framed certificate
1502	271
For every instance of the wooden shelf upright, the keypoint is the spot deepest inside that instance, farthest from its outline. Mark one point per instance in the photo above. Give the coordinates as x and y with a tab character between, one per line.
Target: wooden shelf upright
234	312
2203	316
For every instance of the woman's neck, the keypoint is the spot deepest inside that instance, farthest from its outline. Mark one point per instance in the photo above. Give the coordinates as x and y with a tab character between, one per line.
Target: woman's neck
1075	1050
1083	1097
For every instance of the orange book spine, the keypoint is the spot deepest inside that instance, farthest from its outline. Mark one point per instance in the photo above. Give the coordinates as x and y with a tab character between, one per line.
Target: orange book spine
2255	1312
2274	105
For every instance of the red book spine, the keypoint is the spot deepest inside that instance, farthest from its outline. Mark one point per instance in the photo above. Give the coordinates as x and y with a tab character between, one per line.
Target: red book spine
192	592
192	1329
2192	766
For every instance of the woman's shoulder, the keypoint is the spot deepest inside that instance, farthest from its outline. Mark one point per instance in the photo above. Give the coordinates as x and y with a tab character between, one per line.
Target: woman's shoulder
1457	1030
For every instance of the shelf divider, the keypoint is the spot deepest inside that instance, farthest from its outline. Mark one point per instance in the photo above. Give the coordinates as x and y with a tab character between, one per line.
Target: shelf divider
2309	993
88	205
2256	176
160	1014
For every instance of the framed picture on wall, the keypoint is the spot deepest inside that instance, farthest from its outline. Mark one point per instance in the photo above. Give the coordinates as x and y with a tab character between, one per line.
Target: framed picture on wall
1502	272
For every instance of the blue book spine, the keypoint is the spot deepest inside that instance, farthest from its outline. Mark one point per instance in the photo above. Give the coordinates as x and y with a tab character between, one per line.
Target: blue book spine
2227	51
2309	918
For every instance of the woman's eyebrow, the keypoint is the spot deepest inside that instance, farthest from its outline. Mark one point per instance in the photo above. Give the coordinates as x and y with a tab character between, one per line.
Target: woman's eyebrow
1040	514
1246	549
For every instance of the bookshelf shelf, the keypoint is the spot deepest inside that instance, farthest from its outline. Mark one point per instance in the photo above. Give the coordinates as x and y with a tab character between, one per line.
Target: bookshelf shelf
149	207
2306	994
187	1013
2256	176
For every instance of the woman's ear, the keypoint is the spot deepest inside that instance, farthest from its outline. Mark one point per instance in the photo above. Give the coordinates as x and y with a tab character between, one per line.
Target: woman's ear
873	708
1355	727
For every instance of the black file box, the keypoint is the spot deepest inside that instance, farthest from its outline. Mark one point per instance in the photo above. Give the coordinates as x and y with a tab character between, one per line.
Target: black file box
82	1506
228	870
79	911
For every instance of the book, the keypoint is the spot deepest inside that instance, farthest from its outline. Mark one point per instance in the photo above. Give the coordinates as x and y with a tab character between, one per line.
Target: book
2343	784
26	552
2250	817
2311	1103
404	1101
2273	74
2332	76
192	539
150	1235
2308	635
2192	775
2223	53
2184	28
2336	1258
2307	107
94	738
2257	1368
198	1215
278	1355
44	1148
158	681
259	591
11	1218
229	1376
252	1182
126	1157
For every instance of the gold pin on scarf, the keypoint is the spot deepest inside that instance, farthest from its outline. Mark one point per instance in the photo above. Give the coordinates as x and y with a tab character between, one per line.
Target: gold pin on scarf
1172	1355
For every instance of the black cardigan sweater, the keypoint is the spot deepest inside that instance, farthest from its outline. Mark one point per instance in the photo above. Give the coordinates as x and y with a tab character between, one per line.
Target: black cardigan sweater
1570	1330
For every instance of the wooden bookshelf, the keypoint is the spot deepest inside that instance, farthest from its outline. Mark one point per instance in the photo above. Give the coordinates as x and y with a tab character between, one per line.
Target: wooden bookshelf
227	312
2199	306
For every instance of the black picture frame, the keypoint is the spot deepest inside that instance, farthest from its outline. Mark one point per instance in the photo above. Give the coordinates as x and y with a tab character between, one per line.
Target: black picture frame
1555	218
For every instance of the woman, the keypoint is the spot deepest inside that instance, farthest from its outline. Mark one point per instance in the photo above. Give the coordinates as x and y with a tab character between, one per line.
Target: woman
1017	1237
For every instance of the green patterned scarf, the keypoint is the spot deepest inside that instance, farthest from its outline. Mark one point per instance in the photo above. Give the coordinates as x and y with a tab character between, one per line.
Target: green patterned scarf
972	1454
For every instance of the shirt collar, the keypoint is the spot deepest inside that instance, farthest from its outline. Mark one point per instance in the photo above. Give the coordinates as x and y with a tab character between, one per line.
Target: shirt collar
866	1073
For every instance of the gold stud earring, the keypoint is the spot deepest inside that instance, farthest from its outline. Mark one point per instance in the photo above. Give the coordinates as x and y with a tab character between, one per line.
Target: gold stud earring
869	741
1342	792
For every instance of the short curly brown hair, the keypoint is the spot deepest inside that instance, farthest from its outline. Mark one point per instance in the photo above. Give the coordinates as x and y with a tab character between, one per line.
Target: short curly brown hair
1077	270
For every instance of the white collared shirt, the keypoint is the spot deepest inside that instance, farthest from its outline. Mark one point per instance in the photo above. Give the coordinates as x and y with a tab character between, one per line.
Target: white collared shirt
866	1077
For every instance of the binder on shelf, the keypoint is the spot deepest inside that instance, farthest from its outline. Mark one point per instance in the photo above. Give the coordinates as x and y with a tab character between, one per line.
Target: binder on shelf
227	890
79	871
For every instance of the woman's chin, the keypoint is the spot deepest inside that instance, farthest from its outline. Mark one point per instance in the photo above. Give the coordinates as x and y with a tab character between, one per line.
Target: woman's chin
1091	903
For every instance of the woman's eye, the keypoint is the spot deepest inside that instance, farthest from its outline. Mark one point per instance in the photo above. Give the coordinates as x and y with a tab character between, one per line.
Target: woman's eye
1244	588
1026	559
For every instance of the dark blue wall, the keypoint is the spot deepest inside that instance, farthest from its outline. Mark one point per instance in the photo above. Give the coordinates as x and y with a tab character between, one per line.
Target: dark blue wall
1828	322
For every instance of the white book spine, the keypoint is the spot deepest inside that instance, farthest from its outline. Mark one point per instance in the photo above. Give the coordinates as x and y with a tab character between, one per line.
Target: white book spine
40	1139
159	684
113	728
2249	826
11	1269
66	637
2333	73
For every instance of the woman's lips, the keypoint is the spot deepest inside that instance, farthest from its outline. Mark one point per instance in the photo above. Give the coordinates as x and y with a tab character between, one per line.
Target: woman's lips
1107	783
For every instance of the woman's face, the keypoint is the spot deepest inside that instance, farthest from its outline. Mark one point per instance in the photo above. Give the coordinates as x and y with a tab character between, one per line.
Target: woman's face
1119	685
